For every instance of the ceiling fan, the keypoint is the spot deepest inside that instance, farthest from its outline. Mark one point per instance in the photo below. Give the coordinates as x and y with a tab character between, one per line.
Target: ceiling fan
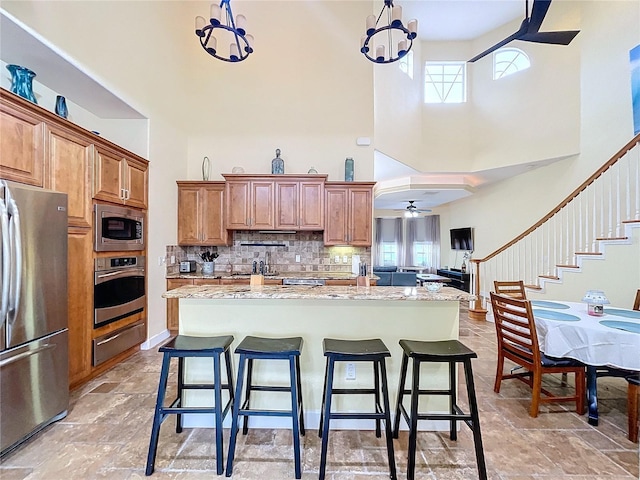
411	210
529	30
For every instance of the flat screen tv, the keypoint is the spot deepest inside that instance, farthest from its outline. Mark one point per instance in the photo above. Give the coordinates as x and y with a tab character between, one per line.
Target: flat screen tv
462	238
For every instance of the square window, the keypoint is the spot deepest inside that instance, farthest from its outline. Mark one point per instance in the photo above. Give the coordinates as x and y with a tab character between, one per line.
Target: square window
445	82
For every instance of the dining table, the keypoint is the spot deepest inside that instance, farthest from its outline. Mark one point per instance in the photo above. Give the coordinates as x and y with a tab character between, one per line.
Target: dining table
610	341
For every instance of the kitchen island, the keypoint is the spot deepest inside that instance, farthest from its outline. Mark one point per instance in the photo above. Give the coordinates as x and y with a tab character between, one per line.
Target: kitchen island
316	312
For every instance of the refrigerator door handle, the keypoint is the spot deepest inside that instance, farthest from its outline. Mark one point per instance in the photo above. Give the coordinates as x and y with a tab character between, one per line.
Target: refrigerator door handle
6	262
28	353
14	229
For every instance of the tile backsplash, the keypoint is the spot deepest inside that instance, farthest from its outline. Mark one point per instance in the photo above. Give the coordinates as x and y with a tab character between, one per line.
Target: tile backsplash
278	251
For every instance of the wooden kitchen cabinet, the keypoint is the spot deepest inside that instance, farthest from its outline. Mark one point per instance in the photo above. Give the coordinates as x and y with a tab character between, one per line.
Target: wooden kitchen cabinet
299	204
348	208
249	203
120	178
172	303
68	170
21	141
80	302
201	212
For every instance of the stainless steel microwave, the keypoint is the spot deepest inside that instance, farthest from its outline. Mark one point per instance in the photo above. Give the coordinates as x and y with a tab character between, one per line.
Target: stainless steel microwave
118	229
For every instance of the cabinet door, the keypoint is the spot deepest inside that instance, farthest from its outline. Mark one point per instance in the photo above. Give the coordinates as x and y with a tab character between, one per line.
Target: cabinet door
188	215
136	183
237	201
287	205
311	206
360	217
21	146
69	170
80	303
336	202
262	205
173	303
108	176
212	223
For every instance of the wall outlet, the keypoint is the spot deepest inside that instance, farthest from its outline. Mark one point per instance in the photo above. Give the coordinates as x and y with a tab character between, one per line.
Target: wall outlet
173	259
161	260
297	258
350	372
337	259
345	259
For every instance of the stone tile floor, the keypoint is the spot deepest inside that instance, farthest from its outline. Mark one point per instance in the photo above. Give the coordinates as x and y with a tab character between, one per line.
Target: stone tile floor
106	435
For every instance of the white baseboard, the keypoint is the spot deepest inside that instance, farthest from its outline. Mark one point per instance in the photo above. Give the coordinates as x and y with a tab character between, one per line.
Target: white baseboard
155	340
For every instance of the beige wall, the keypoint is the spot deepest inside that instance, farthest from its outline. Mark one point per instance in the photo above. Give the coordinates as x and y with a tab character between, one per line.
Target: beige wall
308	91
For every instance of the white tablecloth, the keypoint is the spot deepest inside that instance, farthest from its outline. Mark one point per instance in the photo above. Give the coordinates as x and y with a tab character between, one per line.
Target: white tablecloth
587	340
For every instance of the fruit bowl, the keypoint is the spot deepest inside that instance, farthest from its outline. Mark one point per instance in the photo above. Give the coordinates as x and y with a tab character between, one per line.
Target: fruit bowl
434	286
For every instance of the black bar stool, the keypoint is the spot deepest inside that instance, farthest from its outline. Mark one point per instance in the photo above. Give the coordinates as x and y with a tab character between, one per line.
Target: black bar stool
182	347
375	351
451	352
259	348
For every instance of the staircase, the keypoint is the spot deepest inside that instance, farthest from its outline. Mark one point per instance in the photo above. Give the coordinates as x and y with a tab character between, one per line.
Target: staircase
601	211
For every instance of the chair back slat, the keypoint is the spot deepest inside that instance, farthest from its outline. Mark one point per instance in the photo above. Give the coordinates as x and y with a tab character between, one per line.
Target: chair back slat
513	289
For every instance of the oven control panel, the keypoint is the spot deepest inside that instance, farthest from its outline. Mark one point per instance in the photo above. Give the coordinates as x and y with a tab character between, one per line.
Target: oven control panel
108	263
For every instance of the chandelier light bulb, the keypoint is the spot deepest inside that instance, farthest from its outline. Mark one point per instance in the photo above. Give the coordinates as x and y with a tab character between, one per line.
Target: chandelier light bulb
402	48
241	24
200	23
234	53
212	45
249	48
396	16
215	14
380	53
362	42
412	26
371	24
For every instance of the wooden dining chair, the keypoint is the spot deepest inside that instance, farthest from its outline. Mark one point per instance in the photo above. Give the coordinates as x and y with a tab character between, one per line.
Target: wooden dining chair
513	289
518	342
636	303
633	404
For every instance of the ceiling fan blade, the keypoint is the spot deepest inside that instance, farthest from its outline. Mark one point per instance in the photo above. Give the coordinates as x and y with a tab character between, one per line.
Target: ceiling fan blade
489	50
538	12
556	38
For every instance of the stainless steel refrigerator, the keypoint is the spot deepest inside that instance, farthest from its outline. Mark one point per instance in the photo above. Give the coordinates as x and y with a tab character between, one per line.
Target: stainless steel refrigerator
34	371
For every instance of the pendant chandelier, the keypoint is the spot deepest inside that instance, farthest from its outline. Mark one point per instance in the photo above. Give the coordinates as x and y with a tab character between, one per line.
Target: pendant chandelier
383	51
229	32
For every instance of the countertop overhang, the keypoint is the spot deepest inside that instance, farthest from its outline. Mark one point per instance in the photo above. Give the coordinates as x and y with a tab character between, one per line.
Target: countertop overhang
246	292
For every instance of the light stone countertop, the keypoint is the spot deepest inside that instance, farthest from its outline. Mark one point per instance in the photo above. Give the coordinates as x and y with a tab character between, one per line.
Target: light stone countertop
246	292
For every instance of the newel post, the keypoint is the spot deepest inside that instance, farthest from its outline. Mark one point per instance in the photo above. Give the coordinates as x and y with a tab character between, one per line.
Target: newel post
477	312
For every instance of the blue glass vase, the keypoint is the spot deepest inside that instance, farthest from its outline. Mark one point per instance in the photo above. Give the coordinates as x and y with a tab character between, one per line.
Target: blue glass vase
61	106
348	170
22	82
277	164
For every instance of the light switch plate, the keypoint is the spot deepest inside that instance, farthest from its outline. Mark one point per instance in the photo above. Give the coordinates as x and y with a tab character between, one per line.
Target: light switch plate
297	258
345	259
337	259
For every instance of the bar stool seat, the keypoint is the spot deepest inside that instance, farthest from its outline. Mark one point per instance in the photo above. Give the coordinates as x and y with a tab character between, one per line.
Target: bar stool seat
181	347
371	350
447	351
261	348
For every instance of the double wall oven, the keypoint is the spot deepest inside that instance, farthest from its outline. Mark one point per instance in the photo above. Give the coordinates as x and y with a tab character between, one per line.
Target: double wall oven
119	288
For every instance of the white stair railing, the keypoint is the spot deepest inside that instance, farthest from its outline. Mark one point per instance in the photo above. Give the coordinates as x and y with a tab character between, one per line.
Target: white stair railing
596	210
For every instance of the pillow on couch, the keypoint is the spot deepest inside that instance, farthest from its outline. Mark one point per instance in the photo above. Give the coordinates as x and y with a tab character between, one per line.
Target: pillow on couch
385	269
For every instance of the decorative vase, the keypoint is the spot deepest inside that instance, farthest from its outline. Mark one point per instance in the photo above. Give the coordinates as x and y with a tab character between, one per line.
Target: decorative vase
207	268
206	166
348	170
22	82
277	164
61	106
312	170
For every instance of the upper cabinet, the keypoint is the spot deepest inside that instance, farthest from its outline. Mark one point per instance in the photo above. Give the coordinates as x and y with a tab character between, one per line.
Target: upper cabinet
348	213
274	202
68	169
21	142
299	204
120	178
201	209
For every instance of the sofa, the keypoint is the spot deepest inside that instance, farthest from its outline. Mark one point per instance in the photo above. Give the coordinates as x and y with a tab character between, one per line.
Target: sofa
389	276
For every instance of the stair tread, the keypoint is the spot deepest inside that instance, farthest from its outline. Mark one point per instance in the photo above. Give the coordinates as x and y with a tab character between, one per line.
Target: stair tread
631	221
612	238
551	277
533	287
588	253
567	266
